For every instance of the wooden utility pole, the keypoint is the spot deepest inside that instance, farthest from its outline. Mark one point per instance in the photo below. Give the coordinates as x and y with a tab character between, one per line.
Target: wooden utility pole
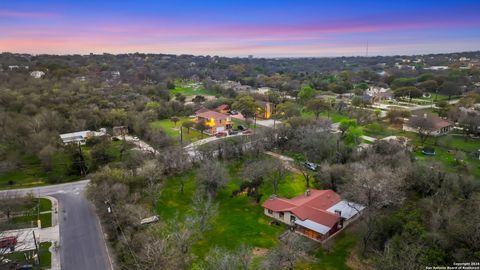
36	247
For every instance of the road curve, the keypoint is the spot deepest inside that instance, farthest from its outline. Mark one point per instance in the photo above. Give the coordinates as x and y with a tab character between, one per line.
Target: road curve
82	244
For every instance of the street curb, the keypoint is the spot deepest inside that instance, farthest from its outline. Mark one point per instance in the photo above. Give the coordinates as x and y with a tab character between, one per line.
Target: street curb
54	209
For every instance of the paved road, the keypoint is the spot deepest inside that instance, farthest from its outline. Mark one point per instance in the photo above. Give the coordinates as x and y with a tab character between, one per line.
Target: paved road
82	244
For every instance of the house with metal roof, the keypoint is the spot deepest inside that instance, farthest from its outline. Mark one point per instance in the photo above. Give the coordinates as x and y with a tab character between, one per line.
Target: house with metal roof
316	214
80	137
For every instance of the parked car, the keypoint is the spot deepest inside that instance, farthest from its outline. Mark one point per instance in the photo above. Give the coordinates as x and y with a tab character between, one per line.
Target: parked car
233	112
136	139
428	151
247	132
8	242
232	132
220	134
311	166
241	128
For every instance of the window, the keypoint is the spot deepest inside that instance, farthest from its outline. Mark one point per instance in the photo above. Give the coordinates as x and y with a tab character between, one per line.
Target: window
292	218
281	215
270	211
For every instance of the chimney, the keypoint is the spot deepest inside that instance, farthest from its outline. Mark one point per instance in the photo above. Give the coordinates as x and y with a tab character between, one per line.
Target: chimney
340	222
307	192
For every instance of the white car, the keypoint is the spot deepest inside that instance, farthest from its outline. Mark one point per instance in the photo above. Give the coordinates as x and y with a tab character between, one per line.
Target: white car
311	166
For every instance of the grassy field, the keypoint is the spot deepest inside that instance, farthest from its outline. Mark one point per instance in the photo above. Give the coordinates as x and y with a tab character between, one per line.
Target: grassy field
188	91
240	220
45	205
45	257
446	148
31	174
336	258
31	220
173	130
334	116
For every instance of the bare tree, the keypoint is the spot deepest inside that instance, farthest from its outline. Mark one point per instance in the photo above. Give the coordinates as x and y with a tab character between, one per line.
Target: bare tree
424	126
152	172
212	176
374	188
293	248
204	209
224	259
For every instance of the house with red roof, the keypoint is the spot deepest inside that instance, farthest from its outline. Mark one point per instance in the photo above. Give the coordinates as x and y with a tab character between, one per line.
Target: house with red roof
215	121
316	214
224	108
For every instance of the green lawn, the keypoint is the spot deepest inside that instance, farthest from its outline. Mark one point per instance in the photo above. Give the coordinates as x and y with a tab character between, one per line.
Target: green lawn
438	97
335	259
31	220
334	116
45	205
445	148
188	91
45	257
173	130
240	220
29	174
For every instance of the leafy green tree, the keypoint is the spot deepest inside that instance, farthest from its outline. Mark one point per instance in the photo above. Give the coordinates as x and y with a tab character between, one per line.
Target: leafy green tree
428	86
188	125
346	124
174	119
306	93
353	135
408	91
246	105
287	109
317	106
199	99
450	89
200	126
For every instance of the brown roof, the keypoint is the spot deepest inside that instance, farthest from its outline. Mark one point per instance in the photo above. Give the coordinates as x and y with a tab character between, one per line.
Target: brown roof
223	107
312	207
209	114
201	110
437	121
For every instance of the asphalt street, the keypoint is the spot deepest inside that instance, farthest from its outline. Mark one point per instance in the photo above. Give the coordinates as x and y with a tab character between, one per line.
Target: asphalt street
82	244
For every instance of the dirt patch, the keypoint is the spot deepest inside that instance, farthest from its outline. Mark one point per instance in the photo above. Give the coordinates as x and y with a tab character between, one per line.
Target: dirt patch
259	252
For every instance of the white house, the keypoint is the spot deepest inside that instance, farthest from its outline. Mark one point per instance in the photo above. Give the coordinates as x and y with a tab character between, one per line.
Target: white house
436	68
80	137
37	74
263	90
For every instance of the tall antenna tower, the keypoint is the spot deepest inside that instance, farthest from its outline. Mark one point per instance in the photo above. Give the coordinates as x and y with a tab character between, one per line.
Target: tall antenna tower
366	52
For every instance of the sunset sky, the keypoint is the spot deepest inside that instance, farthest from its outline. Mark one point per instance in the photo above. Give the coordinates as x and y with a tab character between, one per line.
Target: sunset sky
240	28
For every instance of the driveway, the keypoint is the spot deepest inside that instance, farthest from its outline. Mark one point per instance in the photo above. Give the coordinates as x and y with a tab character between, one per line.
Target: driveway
82	245
286	161
268	123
